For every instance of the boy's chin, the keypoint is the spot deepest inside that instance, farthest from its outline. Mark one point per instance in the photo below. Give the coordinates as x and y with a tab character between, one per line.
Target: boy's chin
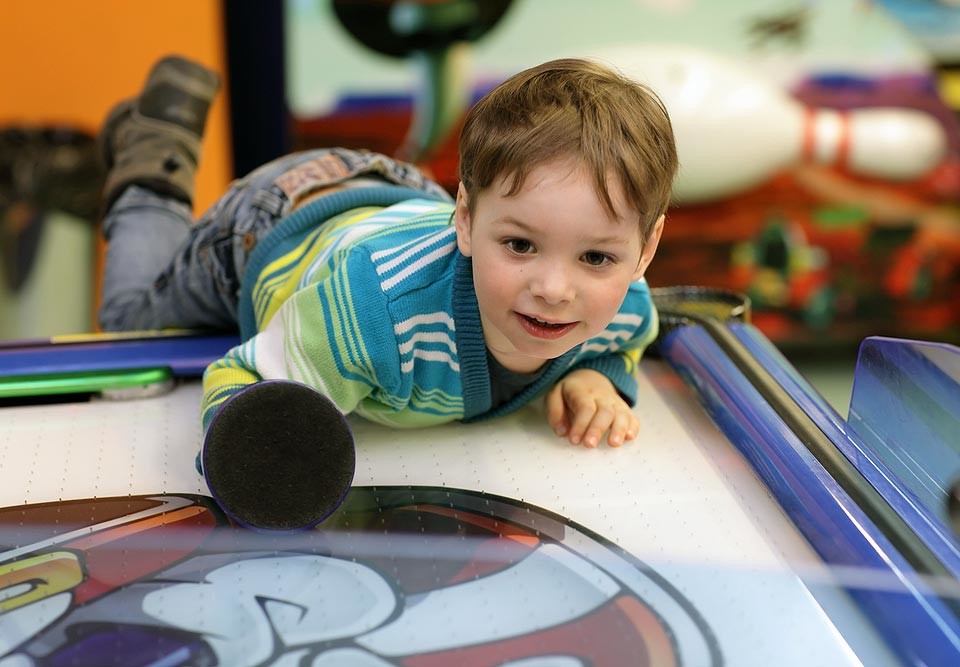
548	350
536	359
519	362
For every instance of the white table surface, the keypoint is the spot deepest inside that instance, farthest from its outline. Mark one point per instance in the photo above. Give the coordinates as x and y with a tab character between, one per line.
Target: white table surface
680	498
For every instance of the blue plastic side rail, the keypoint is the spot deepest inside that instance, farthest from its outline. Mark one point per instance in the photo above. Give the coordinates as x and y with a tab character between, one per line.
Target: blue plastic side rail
929	525
185	356
917	625
906	407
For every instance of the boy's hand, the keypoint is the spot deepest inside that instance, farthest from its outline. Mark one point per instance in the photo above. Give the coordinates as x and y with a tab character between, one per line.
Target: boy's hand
584	406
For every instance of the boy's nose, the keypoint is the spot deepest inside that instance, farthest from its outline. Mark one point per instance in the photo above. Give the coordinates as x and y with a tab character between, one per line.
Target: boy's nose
552	284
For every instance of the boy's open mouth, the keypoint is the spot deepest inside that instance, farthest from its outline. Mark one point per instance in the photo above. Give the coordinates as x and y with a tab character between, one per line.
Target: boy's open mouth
542	329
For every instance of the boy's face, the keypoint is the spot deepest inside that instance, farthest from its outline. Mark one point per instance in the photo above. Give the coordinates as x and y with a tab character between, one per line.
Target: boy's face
551	266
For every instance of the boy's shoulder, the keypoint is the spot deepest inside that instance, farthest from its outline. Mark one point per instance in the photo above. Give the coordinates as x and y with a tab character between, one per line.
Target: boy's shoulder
408	246
637	306
397	228
406	234
635	323
636	312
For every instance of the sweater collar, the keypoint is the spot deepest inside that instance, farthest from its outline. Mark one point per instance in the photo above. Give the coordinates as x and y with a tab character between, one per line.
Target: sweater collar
471	348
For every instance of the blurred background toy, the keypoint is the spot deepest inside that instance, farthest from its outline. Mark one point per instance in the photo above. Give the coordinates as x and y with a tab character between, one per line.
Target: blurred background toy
820	149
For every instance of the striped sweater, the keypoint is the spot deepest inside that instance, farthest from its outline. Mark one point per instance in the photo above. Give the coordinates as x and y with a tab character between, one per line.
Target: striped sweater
364	296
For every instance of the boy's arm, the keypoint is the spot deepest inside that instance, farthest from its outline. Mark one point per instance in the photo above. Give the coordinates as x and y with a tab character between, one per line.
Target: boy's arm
225	377
315	339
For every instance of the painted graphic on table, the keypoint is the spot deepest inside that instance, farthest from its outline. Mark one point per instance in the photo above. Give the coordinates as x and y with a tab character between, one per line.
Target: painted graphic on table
414	577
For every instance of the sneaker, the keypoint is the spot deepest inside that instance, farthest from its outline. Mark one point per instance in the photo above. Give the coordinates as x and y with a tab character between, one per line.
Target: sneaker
154	140
179	91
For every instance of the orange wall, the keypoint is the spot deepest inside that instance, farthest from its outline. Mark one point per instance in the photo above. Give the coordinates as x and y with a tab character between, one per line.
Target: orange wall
69	61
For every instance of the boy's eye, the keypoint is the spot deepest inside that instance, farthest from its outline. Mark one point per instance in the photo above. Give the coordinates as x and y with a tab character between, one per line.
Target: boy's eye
594	258
519	246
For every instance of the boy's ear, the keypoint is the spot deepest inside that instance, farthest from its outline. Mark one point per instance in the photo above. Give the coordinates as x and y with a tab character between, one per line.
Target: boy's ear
462	221
649	249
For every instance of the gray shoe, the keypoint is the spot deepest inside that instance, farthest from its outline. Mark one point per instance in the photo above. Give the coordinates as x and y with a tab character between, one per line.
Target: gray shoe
154	140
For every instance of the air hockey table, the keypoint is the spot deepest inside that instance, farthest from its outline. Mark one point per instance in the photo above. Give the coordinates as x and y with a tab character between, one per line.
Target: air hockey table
748	524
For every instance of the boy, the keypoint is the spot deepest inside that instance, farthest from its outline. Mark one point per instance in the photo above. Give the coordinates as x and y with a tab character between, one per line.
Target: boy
346	278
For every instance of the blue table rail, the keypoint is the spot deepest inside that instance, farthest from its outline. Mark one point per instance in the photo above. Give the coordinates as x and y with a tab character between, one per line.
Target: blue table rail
868	492
94	362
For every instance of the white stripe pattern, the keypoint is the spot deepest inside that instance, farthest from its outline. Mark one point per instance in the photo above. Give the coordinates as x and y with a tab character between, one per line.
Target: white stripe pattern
430	355
353	233
271	348
597	347
628	319
269	354
416	324
297	358
613	338
426	243
428	337
440	316
621	334
357	231
421	263
387	252
387	215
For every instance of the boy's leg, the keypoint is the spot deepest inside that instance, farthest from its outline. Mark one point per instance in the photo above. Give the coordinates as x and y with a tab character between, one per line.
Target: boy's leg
151	145
142	230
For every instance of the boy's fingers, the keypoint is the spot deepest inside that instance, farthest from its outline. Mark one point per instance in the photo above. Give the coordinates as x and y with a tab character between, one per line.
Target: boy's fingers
582	417
599	425
554	403
620	429
556	411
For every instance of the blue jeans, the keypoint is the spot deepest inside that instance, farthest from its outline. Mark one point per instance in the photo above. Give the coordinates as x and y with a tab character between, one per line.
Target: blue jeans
164	271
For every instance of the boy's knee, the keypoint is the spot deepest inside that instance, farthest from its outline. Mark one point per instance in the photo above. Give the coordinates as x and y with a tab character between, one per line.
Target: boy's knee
123	315
111	321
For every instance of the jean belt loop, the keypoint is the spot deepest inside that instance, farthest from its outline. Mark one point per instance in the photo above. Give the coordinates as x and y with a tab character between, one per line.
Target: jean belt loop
270	201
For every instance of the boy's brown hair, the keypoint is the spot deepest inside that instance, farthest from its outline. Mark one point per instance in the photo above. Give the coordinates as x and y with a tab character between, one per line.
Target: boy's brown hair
573	108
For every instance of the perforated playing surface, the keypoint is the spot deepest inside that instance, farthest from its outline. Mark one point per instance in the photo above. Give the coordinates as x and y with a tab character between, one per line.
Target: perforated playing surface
679	500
